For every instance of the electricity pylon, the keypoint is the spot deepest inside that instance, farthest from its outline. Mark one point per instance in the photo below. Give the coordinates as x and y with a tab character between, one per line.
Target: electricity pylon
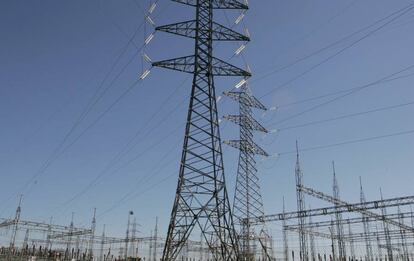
248	201
201	200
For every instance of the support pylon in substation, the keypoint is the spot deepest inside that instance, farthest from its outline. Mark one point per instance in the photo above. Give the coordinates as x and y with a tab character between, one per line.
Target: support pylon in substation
379	245
367	232
201	202
332	231
101	254
285	235
16	224
312	241
127	238
248	201
351	241
154	250
69	243
338	216
385	225
300	197
403	236
92	236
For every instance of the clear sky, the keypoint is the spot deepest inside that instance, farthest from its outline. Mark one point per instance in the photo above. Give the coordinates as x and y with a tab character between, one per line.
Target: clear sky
74	135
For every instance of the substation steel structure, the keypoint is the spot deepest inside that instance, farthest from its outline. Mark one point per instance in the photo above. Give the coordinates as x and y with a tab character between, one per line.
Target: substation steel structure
365	208
201	199
248	200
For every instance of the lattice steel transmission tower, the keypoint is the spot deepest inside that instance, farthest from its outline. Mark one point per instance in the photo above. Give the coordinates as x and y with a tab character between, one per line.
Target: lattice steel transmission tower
201	200
248	201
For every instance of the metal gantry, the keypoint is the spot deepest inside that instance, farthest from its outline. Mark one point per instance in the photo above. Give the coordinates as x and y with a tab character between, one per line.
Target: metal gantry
201	200
248	200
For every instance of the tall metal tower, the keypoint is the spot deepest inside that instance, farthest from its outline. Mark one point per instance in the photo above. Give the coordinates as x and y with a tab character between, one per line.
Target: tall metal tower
201	200
338	216
300	197
248	201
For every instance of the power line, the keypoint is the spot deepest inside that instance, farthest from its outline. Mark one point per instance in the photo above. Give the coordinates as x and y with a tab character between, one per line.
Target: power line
346	116
349	142
352	91
400	13
98	95
318	97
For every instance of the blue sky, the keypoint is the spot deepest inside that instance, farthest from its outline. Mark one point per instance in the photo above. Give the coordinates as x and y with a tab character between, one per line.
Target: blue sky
55	55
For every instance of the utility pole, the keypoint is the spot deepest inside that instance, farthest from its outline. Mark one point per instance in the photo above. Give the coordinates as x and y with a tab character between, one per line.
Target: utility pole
201	203
248	201
338	216
300	197
367	232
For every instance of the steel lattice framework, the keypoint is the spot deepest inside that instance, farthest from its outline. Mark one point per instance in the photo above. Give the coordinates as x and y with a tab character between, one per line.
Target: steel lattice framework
201	199
248	201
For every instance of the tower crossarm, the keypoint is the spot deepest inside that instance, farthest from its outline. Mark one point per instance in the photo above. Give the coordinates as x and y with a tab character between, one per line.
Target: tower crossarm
246	146
69	234
361	209
356	220
186	64
247	99
246	121
217	4
355	207
188	29
310	232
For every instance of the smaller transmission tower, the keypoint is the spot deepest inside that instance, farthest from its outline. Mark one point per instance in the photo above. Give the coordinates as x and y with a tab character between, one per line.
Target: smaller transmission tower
248	201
